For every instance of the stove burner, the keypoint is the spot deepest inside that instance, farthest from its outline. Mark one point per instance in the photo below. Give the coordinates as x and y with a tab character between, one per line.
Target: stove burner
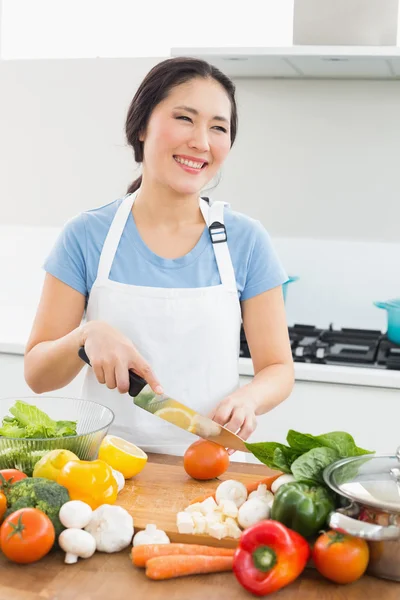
389	354
352	347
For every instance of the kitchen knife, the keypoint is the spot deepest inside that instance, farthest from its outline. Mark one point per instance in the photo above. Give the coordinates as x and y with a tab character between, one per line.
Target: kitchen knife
180	415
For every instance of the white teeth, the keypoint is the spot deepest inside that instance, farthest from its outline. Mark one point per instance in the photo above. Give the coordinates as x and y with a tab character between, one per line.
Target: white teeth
189	163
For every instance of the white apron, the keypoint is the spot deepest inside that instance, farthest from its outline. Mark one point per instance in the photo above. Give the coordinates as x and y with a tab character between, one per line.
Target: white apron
189	336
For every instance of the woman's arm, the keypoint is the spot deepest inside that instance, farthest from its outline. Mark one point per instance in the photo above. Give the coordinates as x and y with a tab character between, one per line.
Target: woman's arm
51	354
266	330
265	326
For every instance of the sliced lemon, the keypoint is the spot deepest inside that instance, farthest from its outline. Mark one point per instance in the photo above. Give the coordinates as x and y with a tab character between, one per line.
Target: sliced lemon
122	456
178	416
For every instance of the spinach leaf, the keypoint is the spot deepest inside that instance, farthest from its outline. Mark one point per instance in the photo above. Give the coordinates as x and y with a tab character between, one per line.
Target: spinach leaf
303	442
311	464
342	442
264	451
284	457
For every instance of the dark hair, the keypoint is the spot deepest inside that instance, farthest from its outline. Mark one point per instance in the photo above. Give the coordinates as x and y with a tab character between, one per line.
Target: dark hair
155	88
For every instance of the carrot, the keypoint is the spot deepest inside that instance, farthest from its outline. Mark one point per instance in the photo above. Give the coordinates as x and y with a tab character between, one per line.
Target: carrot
268	481
251	487
168	567
142	554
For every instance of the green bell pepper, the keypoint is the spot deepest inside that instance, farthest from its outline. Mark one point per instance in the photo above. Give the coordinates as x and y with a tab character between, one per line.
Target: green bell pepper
302	506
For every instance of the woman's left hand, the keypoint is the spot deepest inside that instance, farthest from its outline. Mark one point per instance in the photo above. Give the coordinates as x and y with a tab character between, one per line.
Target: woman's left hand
237	413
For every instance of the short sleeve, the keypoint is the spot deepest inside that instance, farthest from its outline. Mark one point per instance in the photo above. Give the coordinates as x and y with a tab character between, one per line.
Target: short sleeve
265	270
67	259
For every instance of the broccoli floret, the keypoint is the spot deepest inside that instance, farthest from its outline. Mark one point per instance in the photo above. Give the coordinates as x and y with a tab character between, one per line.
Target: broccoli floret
38	492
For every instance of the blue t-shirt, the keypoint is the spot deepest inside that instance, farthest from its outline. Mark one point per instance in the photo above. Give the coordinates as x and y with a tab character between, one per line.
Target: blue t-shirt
74	259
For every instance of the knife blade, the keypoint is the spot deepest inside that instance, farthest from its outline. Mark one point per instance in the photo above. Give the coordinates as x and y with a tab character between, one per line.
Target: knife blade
177	413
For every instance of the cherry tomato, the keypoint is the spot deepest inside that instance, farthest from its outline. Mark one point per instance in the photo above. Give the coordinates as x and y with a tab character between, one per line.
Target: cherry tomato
205	460
10	476
26	535
340	557
3	505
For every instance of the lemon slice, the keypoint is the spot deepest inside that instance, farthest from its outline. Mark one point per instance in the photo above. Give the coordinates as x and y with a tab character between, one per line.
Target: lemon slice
122	456
178	416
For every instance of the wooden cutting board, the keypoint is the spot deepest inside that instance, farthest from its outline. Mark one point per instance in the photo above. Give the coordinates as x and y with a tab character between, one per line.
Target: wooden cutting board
160	491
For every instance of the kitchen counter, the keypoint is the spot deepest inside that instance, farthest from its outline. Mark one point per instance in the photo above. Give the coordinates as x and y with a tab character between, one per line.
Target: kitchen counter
16	323
341	374
106	576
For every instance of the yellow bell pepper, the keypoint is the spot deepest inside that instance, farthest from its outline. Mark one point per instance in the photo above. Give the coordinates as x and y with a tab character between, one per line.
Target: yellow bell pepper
92	482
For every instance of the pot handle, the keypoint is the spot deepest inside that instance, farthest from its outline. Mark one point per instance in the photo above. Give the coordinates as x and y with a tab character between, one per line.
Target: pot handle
368	531
383	305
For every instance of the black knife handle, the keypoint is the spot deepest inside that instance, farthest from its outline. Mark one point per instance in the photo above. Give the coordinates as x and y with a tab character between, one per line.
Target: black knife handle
136	383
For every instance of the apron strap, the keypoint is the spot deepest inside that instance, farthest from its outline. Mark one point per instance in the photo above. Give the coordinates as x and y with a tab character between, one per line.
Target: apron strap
114	236
214	217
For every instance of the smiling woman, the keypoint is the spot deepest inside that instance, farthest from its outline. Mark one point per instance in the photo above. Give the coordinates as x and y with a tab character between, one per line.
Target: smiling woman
166	276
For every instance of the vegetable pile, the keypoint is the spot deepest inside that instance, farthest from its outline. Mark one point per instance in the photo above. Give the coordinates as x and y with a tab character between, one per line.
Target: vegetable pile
279	522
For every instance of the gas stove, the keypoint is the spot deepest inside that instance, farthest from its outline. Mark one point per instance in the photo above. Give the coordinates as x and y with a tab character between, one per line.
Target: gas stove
351	347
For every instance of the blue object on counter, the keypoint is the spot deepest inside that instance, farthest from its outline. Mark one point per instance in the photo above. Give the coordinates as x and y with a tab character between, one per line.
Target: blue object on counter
284	287
393	318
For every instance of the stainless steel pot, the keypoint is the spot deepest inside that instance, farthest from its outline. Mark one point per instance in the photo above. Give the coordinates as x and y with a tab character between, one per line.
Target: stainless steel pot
370	489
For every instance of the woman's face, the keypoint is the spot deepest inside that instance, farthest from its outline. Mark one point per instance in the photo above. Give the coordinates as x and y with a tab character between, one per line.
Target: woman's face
188	136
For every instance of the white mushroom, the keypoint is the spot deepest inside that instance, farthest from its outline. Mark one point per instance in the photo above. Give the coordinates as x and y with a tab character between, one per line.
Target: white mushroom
231	490
150	535
253	511
112	528
263	493
76	543
75	514
281	481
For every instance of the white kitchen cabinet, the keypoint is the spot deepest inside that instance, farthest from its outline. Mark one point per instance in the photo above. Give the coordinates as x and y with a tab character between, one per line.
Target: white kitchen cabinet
370	414
13	384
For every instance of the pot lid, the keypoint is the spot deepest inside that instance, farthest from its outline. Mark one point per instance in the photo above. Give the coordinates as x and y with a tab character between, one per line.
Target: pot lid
370	480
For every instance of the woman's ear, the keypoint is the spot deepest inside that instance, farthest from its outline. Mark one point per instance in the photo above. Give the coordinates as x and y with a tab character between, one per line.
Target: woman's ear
141	136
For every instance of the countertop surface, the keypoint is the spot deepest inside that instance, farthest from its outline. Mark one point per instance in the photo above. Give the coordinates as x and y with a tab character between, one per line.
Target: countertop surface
106	576
16	323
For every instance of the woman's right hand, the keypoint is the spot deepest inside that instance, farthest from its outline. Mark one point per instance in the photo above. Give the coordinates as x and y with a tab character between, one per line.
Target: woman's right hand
112	355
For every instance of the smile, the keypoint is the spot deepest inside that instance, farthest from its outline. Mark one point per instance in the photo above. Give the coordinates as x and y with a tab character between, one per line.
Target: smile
190	163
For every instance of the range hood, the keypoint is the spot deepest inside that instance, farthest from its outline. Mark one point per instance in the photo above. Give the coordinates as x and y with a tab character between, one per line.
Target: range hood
333	39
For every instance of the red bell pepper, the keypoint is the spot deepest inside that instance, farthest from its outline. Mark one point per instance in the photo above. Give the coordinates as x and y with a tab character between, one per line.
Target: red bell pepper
269	557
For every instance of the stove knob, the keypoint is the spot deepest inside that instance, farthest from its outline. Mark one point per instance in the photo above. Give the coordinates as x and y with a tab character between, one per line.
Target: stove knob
320	353
299	351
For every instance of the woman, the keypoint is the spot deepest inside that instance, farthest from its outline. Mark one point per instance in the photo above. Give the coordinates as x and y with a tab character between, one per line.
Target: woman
166	277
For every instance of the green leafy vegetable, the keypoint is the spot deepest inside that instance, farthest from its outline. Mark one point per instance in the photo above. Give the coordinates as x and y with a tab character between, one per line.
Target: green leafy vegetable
307	455
265	452
310	465
303	442
30	422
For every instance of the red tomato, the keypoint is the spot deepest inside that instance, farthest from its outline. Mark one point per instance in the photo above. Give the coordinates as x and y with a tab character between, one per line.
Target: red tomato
3	505
340	557
27	535
10	476
205	460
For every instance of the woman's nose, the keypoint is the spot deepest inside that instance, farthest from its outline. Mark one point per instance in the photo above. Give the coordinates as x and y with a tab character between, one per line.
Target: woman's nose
199	139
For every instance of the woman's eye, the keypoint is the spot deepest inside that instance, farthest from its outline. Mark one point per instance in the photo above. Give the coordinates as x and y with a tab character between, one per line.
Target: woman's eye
184	117
221	128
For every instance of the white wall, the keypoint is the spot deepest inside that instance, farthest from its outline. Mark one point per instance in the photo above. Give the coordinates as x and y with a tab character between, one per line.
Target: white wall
315	161
312	159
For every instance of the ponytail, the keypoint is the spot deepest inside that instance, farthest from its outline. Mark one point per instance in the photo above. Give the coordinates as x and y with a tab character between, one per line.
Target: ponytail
135	185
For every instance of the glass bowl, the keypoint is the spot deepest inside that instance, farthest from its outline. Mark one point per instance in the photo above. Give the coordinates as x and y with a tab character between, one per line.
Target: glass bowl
93	422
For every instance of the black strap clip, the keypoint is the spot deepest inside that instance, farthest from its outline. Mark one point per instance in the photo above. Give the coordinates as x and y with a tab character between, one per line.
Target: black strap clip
218	232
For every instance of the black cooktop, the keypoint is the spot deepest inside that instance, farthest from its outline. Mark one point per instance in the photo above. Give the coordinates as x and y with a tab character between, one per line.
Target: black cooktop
351	347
